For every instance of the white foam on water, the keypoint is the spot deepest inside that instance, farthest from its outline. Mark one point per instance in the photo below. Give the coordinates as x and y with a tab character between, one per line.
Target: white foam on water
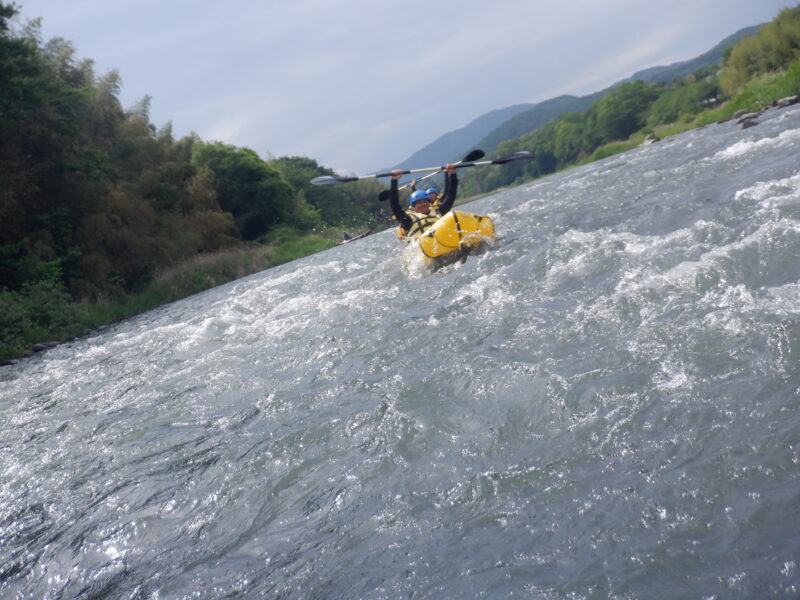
672	377
775	199
415	264
486	295
783	300
784	139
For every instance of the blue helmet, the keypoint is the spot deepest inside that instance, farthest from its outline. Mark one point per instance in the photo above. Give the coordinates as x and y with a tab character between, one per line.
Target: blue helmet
417	196
432	191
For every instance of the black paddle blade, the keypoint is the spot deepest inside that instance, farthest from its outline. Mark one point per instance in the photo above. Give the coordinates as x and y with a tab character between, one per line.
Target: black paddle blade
473	156
516	156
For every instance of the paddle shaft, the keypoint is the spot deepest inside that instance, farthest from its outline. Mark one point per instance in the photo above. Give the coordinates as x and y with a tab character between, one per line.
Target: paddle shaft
472	156
331	179
464	165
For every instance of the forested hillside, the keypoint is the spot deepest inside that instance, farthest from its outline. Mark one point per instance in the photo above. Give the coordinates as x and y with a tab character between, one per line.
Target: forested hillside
522	119
535	117
758	70
453	144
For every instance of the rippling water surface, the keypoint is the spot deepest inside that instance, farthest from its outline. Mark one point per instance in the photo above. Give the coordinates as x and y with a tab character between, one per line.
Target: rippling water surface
606	404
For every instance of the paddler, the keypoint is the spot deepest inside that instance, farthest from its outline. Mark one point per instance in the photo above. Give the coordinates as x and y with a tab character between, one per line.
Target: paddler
433	193
421	213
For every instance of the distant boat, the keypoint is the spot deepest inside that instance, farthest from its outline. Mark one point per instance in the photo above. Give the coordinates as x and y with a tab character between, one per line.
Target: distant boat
348	238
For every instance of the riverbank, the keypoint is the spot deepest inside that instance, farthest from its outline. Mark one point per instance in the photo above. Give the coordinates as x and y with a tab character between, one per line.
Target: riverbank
200	273
773	90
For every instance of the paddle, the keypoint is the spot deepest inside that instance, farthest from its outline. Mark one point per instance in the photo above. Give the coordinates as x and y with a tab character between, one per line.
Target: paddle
515	157
472	156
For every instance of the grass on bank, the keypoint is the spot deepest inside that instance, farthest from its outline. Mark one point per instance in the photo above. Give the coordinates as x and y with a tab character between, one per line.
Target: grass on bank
43	313
206	271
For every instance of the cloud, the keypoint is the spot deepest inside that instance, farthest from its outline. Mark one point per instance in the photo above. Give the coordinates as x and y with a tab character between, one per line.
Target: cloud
645	50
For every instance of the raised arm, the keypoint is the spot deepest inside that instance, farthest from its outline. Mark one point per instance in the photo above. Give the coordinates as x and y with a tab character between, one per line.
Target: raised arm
450	189
394	202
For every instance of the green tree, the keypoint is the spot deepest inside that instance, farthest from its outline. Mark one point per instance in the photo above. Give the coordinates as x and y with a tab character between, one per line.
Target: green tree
682	99
568	138
257	196
352	205
623	110
773	48
42	157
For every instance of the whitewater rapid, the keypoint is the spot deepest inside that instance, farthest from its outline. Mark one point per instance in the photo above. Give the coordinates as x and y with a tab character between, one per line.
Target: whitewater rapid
605	404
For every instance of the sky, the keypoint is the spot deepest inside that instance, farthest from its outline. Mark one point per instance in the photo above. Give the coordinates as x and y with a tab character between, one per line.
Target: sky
361	85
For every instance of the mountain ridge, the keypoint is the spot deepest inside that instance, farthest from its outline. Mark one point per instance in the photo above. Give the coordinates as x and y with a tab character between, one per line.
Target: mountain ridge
524	118
453	142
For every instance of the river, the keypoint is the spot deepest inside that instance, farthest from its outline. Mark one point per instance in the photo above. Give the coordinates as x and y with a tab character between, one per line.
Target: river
605	404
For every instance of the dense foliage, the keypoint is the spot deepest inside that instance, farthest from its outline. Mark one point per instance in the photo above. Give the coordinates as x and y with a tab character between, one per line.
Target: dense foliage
95	201
773	48
349	206
570	137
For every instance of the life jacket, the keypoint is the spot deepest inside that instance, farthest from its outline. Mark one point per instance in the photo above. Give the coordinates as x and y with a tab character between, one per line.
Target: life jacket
421	223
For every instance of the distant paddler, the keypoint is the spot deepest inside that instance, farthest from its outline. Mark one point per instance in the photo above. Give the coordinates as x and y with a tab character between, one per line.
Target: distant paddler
421	213
433	194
